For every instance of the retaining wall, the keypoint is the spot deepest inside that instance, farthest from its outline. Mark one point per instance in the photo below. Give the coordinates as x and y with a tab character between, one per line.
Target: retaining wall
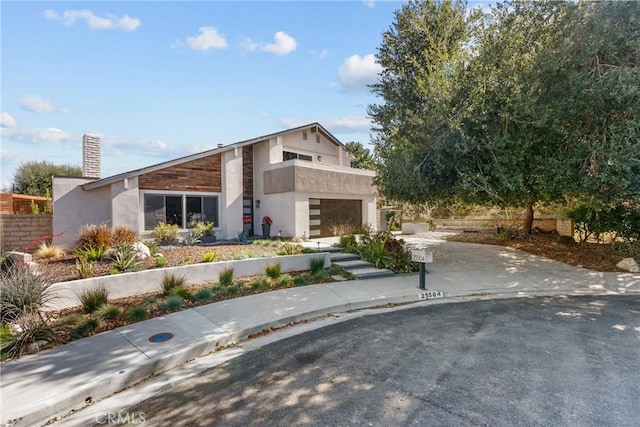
18	231
563	226
65	294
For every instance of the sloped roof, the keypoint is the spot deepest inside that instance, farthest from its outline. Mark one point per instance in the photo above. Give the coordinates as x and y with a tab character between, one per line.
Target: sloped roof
137	172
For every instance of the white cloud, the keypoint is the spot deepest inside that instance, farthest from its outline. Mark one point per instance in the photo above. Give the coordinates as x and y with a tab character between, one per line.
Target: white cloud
343	124
209	38
283	44
94	22
356	72
321	54
248	44
6	121
369	3
39	136
36	104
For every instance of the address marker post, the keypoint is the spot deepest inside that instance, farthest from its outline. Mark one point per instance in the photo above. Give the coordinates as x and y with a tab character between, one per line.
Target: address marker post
421	256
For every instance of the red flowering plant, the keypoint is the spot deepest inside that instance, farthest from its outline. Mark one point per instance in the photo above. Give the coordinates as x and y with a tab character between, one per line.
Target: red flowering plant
267	220
246	219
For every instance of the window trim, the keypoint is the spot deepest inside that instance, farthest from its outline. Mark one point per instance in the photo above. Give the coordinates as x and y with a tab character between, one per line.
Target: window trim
184	195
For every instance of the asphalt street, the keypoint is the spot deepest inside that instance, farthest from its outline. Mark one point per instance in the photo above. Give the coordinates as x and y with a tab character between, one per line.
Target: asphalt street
571	361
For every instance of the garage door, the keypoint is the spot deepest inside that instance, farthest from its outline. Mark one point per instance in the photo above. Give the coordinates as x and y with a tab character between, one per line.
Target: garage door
332	217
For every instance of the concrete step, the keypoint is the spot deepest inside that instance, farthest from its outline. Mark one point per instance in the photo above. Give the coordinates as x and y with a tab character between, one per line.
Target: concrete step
371	272
350	265
332	249
341	256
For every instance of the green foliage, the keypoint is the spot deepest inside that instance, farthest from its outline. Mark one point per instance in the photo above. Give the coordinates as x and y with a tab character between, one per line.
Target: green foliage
165	233
90	253
284	281
35	210
622	221
160	261
6	261
319	276
289	249
123	257
225	278
32	331
203	295
94	236
210	256
300	281
84	267
34	178
243	254
203	228
106	311
363	159
376	253
191	239
316	265
86	328
273	270
261	283
92	299
153	247
22	290
182	292
136	314
171	281
348	242
233	290
172	303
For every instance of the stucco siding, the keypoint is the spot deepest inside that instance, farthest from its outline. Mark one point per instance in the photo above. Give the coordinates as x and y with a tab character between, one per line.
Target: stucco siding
231	214
125	199
299	176
73	207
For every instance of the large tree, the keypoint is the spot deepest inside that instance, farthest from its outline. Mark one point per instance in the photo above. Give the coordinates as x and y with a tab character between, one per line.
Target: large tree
362	157
34	178
545	106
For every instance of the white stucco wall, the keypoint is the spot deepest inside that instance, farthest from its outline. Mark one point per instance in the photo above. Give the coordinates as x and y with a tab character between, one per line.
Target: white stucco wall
326	149
125	199
231	206
73	207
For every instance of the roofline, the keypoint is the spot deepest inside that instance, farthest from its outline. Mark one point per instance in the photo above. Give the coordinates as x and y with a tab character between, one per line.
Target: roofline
137	172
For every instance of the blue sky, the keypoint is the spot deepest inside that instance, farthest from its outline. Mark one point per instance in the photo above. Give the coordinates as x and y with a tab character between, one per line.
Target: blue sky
160	80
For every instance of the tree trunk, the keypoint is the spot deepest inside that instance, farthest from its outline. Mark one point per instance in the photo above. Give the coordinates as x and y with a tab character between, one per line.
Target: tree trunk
528	219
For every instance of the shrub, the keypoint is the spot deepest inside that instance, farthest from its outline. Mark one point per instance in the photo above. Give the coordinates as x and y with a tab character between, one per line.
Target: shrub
316	265
318	276
284	281
84	268
6	261
172	303
92	299
261	283
182	292
203	228
273	270
33	330
86	328
191	239
376	253
210	256
161	261
347	241
92	235
289	249
123	257
48	250
233	290
165	233
300	281
122	234
171	281
225	278
106	311
22	290
153	247
90	253
203	295
136	314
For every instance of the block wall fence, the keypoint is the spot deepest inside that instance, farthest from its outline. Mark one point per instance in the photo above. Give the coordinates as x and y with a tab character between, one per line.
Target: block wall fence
18	231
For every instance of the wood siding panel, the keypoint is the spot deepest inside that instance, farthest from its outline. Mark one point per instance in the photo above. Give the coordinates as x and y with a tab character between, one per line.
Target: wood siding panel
197	175
247	171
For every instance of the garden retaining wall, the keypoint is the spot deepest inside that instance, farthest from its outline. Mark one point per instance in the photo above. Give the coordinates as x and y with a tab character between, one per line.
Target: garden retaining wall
563	226
65	294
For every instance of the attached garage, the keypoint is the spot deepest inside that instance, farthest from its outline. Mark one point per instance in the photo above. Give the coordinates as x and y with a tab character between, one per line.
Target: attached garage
330	217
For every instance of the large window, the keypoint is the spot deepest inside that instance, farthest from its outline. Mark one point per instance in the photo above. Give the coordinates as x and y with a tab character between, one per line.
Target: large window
180	209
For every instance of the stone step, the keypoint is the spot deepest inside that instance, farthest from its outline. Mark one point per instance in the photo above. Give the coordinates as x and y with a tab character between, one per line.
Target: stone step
350	265
371	273
341	256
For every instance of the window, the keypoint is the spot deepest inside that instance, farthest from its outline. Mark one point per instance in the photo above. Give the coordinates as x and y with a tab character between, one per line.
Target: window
288	155
179	209
304	136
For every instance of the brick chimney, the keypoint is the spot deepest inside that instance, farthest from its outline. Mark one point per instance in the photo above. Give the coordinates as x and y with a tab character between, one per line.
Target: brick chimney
91	156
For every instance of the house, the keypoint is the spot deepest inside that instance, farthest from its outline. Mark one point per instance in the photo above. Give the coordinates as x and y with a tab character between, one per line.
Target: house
301	178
